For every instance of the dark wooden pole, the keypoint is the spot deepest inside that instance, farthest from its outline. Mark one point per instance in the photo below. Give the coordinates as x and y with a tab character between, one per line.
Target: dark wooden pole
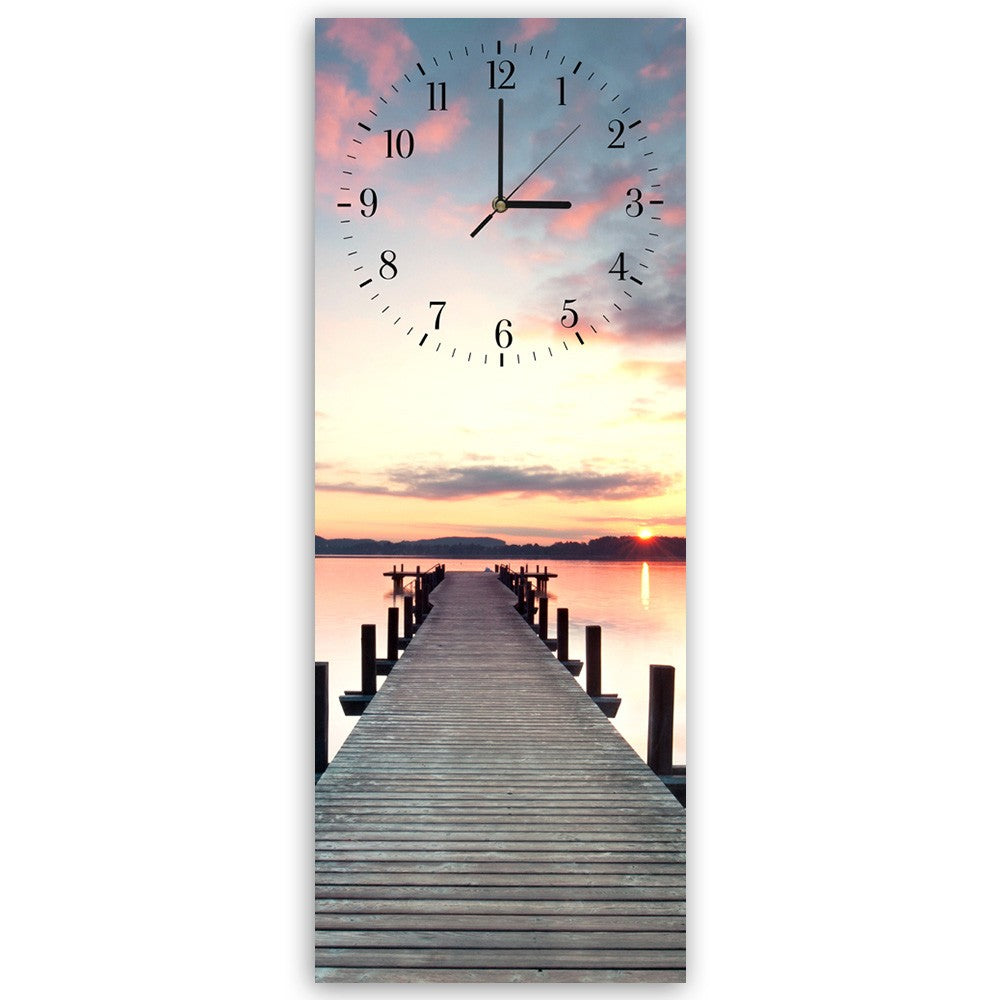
418	603
593	659
660	734
562	633
392	635
543	618
408	617
322	716
368	682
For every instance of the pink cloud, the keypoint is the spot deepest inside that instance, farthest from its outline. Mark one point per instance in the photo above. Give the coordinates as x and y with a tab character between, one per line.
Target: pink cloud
673	373
678	269
337	106
379	43
535	188
575	222
532	27
656	71
439	131
674	215
675	112
670	63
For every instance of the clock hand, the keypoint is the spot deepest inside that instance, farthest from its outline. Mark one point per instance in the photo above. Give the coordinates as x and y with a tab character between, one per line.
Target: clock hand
500	204
500	148
538	204
518	188
483	223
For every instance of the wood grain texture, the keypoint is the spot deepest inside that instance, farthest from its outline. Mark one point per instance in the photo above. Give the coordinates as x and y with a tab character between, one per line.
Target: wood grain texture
484	821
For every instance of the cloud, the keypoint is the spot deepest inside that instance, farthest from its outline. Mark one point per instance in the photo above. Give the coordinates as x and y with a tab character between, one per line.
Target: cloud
656	71
653	319
576	223
379	44
670	63
647	413
674	112
672	373
613	522
337	106
532	27
439	131
449	483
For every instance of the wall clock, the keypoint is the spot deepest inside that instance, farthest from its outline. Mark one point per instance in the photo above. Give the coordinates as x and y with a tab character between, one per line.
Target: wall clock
501	203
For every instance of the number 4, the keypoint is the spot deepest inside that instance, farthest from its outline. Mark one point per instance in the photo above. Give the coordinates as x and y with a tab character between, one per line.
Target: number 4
618	267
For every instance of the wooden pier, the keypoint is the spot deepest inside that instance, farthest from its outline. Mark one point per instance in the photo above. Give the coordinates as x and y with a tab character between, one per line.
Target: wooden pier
485	822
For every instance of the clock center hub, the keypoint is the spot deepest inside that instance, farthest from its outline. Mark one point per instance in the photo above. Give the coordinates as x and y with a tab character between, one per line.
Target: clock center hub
499	205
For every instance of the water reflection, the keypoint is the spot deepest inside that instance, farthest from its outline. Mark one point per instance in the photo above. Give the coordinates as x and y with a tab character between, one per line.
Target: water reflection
638	629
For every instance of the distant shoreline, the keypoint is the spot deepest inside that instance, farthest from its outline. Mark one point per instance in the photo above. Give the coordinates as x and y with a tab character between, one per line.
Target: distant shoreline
624	548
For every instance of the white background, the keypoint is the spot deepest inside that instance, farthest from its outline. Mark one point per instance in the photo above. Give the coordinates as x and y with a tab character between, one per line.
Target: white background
155	394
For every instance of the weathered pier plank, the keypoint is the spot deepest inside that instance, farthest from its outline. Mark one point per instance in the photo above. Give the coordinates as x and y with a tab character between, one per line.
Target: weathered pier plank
484	821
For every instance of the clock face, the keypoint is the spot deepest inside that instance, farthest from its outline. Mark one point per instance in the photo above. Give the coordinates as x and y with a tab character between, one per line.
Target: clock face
500	204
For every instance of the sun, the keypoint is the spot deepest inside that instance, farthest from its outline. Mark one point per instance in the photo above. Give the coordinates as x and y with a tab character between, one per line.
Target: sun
645	533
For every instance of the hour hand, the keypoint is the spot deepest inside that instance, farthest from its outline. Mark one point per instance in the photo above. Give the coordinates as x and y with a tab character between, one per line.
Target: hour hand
538	204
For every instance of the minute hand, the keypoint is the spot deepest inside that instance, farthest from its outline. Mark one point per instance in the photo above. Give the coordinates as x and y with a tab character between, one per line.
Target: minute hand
538	204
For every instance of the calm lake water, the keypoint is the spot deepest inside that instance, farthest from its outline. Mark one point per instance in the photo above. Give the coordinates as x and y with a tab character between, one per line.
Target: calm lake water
639	606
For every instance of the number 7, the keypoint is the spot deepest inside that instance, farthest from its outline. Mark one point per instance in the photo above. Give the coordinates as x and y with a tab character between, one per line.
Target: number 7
437	319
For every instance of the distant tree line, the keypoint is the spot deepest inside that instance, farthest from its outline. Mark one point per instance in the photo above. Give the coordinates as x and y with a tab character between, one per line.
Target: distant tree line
609	548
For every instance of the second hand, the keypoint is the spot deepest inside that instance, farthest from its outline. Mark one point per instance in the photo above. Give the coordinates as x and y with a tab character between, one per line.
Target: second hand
494	212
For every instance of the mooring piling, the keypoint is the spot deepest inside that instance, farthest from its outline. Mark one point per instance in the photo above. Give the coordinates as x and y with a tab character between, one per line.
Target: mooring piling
607	703
562	643
392	634
322	716
660	731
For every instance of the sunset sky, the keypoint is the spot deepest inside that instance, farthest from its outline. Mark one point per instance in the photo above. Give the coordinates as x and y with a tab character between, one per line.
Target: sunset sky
409	445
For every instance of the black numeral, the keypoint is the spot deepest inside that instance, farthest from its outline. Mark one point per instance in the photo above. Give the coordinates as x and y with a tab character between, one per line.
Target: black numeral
569	314
505	70
633	208
618	267
370	203
437	319
617	142
504	333
388	270
562	90
433	98
403	144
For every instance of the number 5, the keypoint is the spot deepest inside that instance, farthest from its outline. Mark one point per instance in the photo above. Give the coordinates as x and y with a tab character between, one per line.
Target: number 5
566	314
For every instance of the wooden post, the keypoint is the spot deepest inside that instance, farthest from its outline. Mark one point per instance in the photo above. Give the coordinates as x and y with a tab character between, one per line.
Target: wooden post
407	617
418	603
593	659
562	633
543	618
322	716
392	635
660	733
368	675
